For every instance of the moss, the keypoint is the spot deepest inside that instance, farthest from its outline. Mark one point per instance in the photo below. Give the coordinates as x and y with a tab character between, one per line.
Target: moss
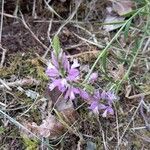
29	144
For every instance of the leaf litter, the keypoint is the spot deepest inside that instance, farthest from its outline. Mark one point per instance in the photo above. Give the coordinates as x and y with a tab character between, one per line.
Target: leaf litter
52	116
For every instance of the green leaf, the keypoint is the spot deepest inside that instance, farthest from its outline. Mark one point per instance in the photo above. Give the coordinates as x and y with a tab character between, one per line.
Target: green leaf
129	13
56	45
127	27
30	144
104	62
89	88
1	130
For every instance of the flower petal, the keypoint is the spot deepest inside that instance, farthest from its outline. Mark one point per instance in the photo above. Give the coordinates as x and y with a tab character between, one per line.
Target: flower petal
111	97
70	93
55	61
50	66
84	94
102	106
63	85
93	77
103	95
75	64
65	62
93	105
73	74
76	90
52	72
110	110
97	95
105	113
60	83
51	86
55	83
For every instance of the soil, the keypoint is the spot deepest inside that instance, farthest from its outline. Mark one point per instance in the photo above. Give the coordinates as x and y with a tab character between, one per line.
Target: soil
21	61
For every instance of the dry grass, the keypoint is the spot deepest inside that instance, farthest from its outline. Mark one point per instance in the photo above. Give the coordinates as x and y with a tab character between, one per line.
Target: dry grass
122	57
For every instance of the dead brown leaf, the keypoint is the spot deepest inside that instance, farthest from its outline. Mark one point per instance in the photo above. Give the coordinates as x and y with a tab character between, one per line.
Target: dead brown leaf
51	127
122	7
118	73
110	19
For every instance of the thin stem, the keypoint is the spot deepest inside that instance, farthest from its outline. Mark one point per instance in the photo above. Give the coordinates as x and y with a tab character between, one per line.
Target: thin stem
1	25
109	44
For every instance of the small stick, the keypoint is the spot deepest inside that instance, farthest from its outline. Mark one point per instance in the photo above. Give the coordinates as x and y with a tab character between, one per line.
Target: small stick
18	83
75	46
144	117
35	37
50	40
5	85
125	130
138	128
1	24
83	53
2	104
69	18
89	41
1	27
3	56
146	45
52	10
138	95
9	15
33	9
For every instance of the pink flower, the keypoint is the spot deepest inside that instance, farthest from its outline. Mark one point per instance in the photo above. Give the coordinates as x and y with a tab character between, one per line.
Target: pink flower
102	102
93	77
62	75
71	92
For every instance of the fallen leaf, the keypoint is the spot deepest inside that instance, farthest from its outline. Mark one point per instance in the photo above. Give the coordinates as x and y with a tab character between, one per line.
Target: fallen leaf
90	145
51	127
118	73
52	95
128	90
32	94
110	19
63	104
122	7
67	111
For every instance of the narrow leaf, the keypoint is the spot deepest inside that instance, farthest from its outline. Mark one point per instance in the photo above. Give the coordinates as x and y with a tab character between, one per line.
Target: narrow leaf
127	27
56	45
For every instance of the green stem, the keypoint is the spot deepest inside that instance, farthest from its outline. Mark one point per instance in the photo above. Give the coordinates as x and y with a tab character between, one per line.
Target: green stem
109	44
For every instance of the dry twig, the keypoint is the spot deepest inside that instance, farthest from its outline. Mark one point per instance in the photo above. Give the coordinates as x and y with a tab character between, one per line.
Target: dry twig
48	35
125	130
22	82
1	24
89	41
70	17
3	56
34	36
1	27
51	9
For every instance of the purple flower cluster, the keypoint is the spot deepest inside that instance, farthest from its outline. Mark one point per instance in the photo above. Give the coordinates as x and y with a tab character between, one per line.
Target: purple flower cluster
102	102
64	76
